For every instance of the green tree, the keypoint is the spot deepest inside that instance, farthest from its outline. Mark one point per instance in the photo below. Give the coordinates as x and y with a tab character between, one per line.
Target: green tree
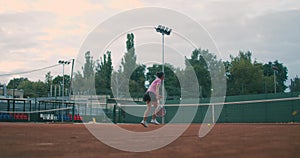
78	83
14	83
30	88
129	59
295	84
204	64
280	71
137	82
116	82
244	77
103	75
83	82
40	89
58	81
89	66
27	87
172	84
131	73
268	84
48	80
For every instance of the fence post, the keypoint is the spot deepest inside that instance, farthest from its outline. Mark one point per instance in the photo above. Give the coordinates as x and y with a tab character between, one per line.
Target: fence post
213	113
73	111
114	114
29	114
24	105
14	106
8	105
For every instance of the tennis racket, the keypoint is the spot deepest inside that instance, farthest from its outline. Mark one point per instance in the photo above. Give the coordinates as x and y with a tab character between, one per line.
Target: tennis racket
160	111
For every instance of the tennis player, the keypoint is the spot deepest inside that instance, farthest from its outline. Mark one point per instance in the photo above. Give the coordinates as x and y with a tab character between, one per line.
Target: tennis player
151	97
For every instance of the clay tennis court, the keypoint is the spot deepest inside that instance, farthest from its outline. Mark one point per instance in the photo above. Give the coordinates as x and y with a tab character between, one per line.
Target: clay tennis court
225	140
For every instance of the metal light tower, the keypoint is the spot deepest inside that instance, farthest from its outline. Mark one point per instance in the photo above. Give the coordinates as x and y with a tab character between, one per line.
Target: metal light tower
71	80
63	84
164	31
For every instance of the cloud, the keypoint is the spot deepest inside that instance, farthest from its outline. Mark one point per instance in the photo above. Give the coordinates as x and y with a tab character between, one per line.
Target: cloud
279	37
121	4
36	33
13	6
279	27
65	8
39	33
19	33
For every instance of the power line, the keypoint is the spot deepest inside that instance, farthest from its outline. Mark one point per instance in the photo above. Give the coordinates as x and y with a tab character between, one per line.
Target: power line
30	71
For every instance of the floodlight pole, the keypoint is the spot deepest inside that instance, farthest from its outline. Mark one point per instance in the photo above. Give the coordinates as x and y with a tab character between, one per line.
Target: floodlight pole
63	73
71	80
63	84
163	68
163	30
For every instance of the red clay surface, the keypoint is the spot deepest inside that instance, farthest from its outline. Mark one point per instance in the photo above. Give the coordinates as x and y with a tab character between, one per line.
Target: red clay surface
225	140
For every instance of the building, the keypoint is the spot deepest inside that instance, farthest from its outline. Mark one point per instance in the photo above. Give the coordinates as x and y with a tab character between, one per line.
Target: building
10	93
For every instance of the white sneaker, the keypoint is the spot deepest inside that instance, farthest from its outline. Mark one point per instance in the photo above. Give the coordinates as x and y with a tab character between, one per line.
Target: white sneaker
144	123
155	122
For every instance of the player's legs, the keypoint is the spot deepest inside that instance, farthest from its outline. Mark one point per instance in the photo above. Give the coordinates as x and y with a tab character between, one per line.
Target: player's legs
154	121
148	103
154	114
144	121
150	99
147	99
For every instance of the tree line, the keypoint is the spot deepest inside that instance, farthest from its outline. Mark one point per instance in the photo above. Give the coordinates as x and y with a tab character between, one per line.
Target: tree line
40	88
243	76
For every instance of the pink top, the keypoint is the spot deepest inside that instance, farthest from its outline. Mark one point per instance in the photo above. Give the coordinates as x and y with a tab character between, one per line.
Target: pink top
152	87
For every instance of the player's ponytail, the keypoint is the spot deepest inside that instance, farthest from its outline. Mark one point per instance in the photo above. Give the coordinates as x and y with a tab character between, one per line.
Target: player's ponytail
159	74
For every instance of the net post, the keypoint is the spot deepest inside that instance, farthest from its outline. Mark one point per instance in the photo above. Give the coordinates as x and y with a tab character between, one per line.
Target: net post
24	102
213	113
119	115
114	113
14	106
293	109
30	105
266	112
29	114
106	98
62	116
73	111
13	116
8	105
61	112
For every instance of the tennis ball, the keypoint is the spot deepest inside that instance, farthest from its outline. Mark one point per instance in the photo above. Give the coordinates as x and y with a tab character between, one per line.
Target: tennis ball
208	124
295	112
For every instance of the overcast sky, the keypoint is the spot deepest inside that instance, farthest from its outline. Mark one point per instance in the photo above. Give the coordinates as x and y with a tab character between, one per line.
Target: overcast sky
36	34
